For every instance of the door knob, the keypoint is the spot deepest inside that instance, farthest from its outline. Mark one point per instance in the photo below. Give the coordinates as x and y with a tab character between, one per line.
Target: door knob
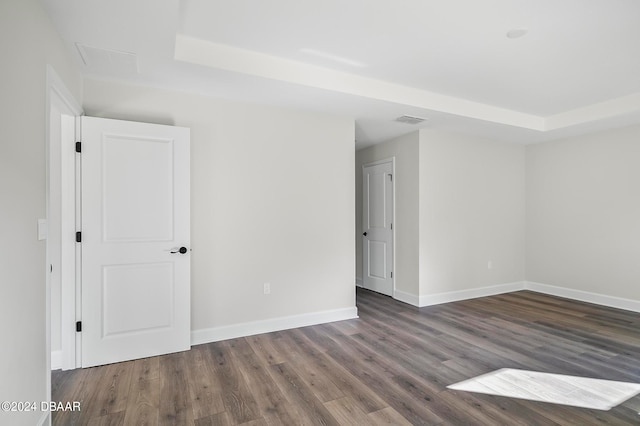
364	233
181	250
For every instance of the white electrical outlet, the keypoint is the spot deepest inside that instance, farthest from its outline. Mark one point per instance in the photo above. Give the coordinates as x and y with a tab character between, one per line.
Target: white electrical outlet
42	229
267	288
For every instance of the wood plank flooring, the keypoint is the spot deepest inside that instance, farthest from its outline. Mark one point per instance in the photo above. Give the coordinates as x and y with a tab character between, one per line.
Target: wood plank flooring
390	366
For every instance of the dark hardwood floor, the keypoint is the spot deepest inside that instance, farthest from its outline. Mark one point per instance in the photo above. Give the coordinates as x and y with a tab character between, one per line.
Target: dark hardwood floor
390	366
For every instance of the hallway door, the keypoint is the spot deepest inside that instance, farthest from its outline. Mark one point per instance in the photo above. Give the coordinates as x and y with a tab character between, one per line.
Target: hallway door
377	226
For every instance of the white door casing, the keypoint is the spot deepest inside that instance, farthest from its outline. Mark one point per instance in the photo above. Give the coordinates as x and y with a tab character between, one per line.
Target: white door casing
62	108
135	218
377	226
60	222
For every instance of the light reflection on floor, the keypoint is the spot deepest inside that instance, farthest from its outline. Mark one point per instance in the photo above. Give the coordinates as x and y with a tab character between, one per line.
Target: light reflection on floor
553	388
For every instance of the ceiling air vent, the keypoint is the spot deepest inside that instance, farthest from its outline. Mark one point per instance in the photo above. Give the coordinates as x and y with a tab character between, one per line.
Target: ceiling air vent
408	119
107	60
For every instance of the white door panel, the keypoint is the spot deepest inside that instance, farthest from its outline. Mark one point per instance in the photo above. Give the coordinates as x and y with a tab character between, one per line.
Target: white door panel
126	290
377	227
377	259
135	214
138	200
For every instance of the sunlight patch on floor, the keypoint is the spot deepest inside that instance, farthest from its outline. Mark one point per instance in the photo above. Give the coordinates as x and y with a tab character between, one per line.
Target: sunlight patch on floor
554	388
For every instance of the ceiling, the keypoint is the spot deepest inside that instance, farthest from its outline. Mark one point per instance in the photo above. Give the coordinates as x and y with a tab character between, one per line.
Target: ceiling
576	70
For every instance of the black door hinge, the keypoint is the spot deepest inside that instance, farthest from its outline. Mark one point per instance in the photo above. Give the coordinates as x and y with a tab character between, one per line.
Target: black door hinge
391	274
78	326
78	237
78	146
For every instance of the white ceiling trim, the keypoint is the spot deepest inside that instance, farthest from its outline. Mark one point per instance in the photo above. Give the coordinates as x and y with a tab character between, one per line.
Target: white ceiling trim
214	55
575	72
228	58
615	107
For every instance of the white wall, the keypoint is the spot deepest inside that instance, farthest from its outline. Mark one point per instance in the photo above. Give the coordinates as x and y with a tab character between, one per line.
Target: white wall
272	201
472	211
583	213
405	151
27	43
460	203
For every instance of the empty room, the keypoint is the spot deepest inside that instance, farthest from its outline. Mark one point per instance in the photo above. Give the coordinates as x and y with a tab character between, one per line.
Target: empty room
297	212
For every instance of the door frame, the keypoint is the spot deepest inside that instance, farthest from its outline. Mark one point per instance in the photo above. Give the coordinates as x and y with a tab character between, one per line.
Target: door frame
391	160
59	95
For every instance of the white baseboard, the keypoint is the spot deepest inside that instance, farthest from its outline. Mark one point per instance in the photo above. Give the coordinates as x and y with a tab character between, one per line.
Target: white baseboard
405	297
585	296
454	296
217	334
56	360
44	419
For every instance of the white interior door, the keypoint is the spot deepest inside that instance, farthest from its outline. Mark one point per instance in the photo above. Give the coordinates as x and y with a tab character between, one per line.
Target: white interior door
135	220
377	226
